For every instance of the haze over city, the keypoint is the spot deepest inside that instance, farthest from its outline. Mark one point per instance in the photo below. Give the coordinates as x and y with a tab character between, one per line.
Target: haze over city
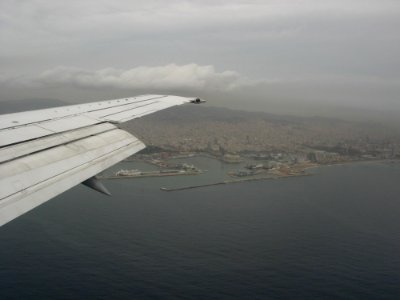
307	57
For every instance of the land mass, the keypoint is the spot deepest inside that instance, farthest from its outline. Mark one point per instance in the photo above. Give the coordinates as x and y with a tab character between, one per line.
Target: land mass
235	135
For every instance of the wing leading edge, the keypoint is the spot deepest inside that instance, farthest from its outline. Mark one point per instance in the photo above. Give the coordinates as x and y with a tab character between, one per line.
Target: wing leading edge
46	152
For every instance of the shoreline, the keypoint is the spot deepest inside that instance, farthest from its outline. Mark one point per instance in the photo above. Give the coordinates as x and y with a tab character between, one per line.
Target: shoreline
299	171
390	160
276	177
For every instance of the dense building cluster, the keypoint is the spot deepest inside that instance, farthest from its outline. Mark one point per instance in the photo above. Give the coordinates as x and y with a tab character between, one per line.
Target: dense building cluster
317	140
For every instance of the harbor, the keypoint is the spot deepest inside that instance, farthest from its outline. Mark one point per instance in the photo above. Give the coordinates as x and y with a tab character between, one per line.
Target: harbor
222	173
166	170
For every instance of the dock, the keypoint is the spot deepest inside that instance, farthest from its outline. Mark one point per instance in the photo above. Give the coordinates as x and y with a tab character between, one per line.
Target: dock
191	187
148	174
229	182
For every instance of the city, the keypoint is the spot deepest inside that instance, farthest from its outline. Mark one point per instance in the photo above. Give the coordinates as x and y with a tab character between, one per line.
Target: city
245	135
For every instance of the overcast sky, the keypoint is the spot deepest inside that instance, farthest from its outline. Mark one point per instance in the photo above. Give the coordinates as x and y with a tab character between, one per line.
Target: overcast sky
271	54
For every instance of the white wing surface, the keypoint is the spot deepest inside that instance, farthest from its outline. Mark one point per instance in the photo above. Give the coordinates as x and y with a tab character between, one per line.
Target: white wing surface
46	152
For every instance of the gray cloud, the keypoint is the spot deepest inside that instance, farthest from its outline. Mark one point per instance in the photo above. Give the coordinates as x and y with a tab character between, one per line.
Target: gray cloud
336	51
190	77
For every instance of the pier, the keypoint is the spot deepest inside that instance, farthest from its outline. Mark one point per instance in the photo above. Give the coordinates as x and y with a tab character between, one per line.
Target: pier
148	174
229	182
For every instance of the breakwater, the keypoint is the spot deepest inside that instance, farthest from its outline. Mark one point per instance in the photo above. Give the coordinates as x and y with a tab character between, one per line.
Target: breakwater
148	174
229	182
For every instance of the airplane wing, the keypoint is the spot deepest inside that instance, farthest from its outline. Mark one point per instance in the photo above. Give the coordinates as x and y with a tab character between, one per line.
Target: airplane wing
46	152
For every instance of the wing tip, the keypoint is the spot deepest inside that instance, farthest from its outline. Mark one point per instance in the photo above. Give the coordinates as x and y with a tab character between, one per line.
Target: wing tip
198	101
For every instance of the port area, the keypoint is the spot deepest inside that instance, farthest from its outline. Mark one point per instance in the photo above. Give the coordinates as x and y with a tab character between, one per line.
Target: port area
252	171
178	170
255	172
271	170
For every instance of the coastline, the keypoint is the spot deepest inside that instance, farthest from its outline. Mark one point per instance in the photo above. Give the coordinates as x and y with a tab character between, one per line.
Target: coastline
282	172
277	177
391	160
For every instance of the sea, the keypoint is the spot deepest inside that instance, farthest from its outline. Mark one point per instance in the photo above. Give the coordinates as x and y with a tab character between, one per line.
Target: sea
332	235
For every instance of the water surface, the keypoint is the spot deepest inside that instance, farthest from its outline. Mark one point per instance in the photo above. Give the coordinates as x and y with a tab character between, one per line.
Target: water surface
332	235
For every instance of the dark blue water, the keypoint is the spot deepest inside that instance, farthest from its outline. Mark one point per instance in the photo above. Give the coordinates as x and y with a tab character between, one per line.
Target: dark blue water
332	235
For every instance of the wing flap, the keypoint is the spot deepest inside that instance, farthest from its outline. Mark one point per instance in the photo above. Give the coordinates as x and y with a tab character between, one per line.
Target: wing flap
36	178
15	135
22	149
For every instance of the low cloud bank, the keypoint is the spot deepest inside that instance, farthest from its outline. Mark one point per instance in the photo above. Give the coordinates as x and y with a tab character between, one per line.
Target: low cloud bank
172	76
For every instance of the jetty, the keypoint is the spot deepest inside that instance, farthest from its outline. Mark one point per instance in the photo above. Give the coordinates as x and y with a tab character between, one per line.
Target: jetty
165	189
149	174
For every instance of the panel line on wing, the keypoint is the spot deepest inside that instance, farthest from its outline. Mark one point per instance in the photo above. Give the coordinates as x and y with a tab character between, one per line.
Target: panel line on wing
114	111
49	170
4	201
43	143
29	199
16	120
